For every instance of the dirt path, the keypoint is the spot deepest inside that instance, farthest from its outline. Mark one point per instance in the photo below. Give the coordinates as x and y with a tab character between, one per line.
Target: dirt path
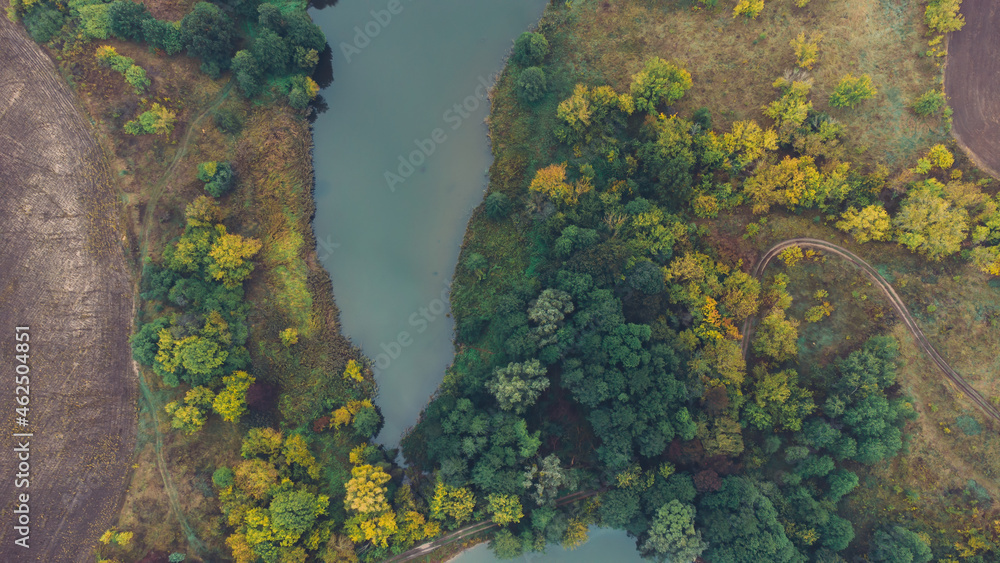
894	299
972	83
64	275
472	529
157	189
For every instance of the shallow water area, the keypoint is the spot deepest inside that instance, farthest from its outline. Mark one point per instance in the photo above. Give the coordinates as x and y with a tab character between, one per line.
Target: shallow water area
604	546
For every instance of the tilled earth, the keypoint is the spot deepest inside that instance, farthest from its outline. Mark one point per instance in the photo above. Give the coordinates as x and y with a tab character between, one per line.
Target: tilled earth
972	83
63	274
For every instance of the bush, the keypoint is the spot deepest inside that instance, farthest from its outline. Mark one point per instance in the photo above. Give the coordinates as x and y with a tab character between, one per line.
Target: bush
218	177
163	35
498	206
223	477
929	103
531	84
228	120
530	49
851	91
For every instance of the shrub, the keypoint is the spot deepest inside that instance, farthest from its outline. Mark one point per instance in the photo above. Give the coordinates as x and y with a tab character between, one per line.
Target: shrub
531	84
218	177
851	91
228	120
155	121
530	48
748	8
806	52
136	77
929	103
222	477
498	206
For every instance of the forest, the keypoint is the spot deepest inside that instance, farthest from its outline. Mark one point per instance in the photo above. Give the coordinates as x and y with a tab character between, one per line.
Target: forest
600	377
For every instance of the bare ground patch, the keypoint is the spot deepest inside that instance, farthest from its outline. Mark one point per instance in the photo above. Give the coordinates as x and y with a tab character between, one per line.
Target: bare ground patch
65	276
972	83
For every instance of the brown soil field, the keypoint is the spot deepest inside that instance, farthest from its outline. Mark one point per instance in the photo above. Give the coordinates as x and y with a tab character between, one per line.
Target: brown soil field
64	275
972	83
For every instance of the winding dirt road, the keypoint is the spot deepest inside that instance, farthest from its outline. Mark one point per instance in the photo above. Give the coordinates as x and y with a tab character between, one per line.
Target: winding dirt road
972	83
63	274
889	292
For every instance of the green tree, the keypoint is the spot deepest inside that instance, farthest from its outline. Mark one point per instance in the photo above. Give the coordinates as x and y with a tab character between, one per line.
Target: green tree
531	84
136	77
272	52
896	544
125	19
841	483
293	513
672	534
95	22
208	33
741	525
247	72
851	91
659	82
517	386
530	49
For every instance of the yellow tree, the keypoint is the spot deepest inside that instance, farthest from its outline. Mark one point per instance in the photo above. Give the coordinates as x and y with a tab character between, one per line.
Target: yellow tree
748	8
192	415
506	509
870	223
255	477
262	441
202	212
551	182
576	534
229	258
296	450
353	371
231	402
928	224
366	489
453	505
786	183
747	142
806	52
